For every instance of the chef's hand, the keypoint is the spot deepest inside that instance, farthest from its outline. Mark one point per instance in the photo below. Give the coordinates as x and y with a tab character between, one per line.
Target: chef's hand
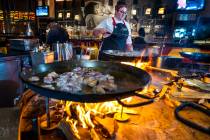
129	47
100	31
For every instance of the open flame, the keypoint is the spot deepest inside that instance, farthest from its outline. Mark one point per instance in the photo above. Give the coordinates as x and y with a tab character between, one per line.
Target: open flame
137	64
105	107
82	114
140	62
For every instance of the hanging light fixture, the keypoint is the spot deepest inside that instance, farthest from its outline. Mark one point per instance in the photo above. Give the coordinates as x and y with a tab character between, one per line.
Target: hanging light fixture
73	4
133	12
82	3
110	3
73	8
76	17
64	5
135	2
68	14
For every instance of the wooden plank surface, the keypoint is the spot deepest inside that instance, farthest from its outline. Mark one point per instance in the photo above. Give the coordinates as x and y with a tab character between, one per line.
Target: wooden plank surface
157	122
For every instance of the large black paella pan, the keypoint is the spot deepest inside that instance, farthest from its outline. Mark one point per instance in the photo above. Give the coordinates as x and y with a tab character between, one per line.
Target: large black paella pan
127	78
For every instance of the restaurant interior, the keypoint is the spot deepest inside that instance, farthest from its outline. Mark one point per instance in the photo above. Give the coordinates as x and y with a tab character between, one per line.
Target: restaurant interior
62	91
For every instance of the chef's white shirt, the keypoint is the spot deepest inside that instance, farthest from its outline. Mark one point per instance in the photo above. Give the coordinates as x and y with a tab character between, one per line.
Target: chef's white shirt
108	25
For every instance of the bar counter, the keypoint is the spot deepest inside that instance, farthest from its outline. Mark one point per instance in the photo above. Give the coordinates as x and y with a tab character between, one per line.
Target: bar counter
14	53
11	65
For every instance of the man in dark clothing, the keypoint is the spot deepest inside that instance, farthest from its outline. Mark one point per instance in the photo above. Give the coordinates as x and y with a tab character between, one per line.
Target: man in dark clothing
139	41
56	34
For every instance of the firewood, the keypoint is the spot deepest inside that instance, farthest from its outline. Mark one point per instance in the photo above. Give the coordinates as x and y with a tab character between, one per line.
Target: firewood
109	123
67	130
100	129
94	134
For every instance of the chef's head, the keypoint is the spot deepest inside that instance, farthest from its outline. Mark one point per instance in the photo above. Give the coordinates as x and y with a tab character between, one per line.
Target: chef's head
121	10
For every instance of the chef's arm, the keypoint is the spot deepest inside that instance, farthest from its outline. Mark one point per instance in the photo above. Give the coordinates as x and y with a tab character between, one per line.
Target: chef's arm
129	47
99	31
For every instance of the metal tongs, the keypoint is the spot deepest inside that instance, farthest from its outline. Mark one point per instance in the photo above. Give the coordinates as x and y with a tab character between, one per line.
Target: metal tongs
189	122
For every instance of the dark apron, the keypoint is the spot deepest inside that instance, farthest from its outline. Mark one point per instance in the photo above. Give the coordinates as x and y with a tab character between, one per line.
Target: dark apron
116	41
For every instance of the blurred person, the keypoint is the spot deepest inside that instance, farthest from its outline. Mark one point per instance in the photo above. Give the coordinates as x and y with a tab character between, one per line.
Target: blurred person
56	33
95	13
139	42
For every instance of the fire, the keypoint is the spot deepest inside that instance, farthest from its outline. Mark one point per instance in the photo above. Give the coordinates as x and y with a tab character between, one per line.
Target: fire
73	126
105	107
83	114
82	117
88	120
140	62
137	64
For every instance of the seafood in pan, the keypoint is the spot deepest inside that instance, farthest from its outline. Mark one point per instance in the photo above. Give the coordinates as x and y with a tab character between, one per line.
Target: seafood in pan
75	80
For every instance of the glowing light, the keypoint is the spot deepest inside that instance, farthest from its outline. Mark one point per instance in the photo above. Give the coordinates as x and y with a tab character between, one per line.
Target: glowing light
161	11
76	17
181	4
134	12
148	11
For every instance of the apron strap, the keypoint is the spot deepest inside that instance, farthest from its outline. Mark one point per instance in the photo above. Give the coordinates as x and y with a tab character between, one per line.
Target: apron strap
124	22
114	22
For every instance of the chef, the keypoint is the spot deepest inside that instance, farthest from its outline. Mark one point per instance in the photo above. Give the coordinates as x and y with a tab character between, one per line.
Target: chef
115	30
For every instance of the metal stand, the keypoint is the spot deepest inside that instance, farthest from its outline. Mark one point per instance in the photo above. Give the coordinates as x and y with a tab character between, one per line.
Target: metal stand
163	46
122	117
121	114
47	111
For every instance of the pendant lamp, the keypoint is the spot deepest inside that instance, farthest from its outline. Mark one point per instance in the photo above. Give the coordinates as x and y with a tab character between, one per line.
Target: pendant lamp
82	3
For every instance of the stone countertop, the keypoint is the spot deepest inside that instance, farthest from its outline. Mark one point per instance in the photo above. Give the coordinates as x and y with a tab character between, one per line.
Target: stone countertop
13	53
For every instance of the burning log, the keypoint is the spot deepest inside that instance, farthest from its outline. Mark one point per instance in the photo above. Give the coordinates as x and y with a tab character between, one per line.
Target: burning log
108	123
78	131
100	129
92	118
94	134
82	120
68	131
72	131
